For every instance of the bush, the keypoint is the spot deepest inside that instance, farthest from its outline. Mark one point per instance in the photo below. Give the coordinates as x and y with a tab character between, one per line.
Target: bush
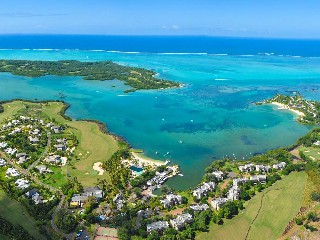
299	221
315	196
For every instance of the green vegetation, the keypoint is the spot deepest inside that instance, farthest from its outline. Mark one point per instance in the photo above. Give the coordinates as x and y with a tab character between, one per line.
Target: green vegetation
265	215
13	231
137	78
93	144
14	212
309	108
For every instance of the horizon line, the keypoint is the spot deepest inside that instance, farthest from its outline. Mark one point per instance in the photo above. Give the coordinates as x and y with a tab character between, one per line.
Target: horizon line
158	35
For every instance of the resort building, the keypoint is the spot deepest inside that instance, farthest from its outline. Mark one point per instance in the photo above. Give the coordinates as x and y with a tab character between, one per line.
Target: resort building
199	207
79	199
3	162
53	159
181	220
56	129
12	172
204	189
22	183
218	203
171	200
233	193
158	226
33	140
218	175
43	169
35	196
279	165
247	167
258	179
237	181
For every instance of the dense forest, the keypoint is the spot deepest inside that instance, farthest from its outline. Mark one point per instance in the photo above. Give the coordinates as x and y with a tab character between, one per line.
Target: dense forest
137	78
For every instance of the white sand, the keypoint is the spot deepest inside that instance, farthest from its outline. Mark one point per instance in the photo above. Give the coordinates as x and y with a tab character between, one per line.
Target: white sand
97	167
147	161
288	108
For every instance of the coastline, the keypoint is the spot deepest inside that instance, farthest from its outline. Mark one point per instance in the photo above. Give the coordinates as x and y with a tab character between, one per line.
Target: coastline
282	106
144	160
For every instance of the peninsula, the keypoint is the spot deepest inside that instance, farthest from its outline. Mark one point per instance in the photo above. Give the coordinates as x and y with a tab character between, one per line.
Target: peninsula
308	110
137	78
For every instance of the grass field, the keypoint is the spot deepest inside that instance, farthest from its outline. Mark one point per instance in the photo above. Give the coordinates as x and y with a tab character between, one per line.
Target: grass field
15	213
313	153
278	205
94	146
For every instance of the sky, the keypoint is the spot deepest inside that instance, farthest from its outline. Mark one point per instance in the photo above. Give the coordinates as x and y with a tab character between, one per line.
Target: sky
239	18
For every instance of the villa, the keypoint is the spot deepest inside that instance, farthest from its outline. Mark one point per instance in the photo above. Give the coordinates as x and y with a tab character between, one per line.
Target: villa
158	226
181	221
204	189
317	143
3	144
79	199
259	179
218	174
22	183
171	200
247	167
35	196
53	159
237	181
218	203
199	207
33	140
12	172
3	162
233	193
60	147
279	165
56	129
43	169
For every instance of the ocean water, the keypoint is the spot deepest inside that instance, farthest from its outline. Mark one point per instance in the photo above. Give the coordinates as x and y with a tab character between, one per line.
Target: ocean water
212	116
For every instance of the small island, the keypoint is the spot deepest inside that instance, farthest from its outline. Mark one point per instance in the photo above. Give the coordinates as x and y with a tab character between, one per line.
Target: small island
307	110
137	78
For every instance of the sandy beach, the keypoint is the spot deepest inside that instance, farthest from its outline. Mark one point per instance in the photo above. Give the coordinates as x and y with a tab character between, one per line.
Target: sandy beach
143	160
286	107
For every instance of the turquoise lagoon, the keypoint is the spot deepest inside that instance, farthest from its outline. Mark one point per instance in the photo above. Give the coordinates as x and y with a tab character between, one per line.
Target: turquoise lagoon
212	116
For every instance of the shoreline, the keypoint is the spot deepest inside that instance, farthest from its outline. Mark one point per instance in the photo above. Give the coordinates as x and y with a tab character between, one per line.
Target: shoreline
144	160
286	107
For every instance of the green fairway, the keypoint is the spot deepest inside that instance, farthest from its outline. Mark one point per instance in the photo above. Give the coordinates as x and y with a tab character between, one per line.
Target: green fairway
94	145
278	205
15	213
311	152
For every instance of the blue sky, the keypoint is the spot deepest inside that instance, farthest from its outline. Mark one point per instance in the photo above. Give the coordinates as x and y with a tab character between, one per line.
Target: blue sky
243	18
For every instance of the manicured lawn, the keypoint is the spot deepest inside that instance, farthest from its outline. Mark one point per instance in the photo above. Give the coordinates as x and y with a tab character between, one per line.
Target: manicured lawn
280	204
312	152
14	212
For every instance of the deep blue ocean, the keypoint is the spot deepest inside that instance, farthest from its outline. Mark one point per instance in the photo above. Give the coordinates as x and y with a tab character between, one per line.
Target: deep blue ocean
212	116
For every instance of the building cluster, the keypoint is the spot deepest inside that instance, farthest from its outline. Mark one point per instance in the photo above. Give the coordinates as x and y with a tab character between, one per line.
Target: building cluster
78	200
171	199
234	192
177	223
159	178
254	167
